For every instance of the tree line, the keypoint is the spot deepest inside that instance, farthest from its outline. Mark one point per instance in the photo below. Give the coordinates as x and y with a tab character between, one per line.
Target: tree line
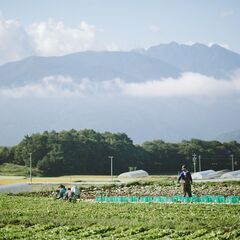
87	152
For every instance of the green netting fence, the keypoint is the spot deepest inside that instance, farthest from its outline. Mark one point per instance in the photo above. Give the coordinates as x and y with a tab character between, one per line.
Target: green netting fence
173	199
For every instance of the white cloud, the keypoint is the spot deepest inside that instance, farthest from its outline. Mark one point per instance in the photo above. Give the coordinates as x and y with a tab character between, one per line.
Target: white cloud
188	85
60	86
226	13
15	42
224	45
44	38
154	28
113	47
190	43
210	44
54	38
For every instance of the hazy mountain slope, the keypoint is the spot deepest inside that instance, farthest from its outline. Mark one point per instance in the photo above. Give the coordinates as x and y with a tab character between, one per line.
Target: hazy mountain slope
128	66
213	61
229	136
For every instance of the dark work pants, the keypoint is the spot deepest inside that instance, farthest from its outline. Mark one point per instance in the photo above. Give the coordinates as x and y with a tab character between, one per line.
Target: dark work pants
187	189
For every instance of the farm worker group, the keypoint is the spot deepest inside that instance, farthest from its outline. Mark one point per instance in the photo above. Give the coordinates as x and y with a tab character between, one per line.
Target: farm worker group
68	194
185	179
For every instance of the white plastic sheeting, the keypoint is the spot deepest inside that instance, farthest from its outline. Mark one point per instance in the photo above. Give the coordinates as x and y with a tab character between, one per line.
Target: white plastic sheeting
134	174
210	174
203	174
220	173
233	174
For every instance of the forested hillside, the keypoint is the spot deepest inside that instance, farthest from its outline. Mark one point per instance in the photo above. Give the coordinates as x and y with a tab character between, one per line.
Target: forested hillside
87	152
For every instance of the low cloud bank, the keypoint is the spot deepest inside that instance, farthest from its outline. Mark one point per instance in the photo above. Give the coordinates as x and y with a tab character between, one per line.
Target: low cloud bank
188	85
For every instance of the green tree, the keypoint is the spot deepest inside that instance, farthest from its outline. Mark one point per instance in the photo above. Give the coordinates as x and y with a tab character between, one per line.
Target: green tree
53	163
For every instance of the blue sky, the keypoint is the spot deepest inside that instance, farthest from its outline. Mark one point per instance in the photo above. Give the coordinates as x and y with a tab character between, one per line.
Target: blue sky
118	25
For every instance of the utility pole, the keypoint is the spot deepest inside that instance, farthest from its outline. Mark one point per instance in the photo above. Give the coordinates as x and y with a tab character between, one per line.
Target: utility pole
199	162
232	156
30	165
111	158
194	161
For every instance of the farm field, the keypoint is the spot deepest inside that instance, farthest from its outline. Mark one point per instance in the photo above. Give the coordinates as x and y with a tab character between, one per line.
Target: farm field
35	217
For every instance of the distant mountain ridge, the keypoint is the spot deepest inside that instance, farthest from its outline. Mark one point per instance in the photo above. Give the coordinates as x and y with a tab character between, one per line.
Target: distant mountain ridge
229	136
155	63
98	66
214	61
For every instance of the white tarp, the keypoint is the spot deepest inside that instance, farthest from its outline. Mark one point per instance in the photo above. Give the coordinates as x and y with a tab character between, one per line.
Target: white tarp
233	174
209	174
218	174
203	174
134	174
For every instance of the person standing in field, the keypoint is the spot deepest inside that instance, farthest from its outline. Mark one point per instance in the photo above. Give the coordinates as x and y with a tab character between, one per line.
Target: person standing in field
185	179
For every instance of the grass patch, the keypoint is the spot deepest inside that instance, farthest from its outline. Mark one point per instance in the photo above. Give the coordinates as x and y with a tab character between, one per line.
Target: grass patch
9	169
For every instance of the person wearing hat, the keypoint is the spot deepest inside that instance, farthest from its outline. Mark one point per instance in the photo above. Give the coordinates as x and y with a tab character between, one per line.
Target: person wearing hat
185	179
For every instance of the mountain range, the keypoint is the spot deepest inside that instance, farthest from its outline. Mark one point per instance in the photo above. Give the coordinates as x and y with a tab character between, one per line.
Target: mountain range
214	61
97	66
157	62
142	118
